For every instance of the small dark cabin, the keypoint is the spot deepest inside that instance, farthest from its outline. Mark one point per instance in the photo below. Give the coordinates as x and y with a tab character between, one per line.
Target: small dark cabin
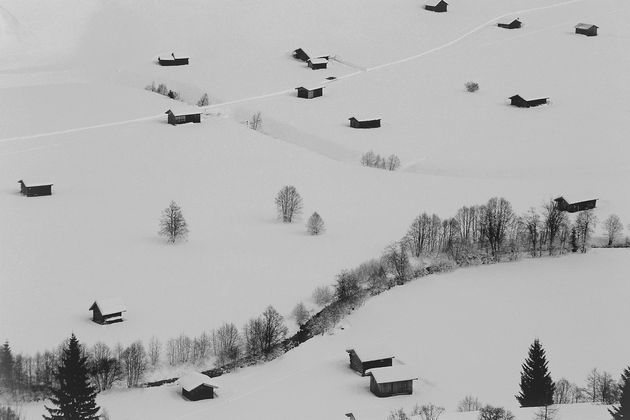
309	93
563	205
35	190
368	360
300	54
586	29
183	118
388	381
317	63
439	8
519	102
515	24
365	123
107	311
197	386
173	61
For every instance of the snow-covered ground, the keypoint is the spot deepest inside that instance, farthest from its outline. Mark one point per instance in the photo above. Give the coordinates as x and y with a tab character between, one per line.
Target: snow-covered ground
75	113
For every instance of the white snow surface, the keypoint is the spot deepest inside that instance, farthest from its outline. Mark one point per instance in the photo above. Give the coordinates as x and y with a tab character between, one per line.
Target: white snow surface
194	379
389	374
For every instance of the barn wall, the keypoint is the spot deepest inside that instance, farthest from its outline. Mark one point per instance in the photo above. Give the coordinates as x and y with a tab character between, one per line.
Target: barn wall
376	364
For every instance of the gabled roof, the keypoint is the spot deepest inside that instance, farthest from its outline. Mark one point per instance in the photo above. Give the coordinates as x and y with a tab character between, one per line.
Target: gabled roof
36	183
187	111
516	97
109	305
585	26
172	56
385	375
318	60
367	355
515	21
309	88
362	118
194	380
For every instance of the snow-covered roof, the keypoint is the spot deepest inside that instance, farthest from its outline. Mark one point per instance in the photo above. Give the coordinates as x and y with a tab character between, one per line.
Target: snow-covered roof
184	109
365	118
110	305
32	183
195	379
374	353
310	87
584	26
318	60
384	375
170	56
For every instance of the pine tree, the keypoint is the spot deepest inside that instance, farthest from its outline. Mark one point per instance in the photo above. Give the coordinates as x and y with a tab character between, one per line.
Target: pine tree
173	226
622	411
75	398
537	387
6	366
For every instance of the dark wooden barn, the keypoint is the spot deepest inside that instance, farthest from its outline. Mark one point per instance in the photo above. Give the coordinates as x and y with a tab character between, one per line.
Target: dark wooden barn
388	381
197	386
440	7
173	61
35	190
564	205
515	24
309	93
108	311
518	101
586	29
317	63
368	360
175	119
300	54
365	122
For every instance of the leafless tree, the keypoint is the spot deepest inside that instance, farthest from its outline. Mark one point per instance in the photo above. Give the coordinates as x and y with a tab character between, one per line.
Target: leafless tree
585	225
256	122
300	313
289	203
315	224
368	159
201	347
253	337
613	227
171	352
348	287
496	219
104	368
134	361
154	351
554	218
204	100
562	391
173	226
547	412
429	412
398	415
396	261
392	163
469	403
322	295
495	413
418	234
532	224
274	329
227	343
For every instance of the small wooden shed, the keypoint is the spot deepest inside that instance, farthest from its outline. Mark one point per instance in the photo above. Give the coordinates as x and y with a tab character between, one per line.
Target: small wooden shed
363	122
108	311
197	386
564	205
300	54
441	7
388	381
310	93
317	63
175	119
586	29
520	102
173	61
35	189
368	360
515	24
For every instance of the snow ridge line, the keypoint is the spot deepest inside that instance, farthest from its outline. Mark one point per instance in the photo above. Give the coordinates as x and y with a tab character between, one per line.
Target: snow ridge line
286	91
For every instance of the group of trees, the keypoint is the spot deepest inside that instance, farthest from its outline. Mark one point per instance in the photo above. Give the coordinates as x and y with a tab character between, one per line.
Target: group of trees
373	160
289	205
425	412
162	89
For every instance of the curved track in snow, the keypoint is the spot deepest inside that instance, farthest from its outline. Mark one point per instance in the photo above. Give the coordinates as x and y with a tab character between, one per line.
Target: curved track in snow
286	91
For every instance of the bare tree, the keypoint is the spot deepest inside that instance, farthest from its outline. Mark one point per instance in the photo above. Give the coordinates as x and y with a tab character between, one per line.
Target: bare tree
274	329
173	226
368	159
347	288
546	412
429	412
469	403
396	261
392	163
154	351
495	413
227	343
204	100
255	123
532	224
300	313
613	227
585	225
289	203
418	234
398	415
103	367
315	224
562	391
134	363
554	218
322	295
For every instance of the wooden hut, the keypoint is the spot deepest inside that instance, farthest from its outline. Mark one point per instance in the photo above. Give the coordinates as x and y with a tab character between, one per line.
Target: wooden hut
175	119
518	101
364	122
439	8
197	386
586	29
564	205
388	381
317	63
35	189
368	360
108	311
515	24
309	93
300	54
173	61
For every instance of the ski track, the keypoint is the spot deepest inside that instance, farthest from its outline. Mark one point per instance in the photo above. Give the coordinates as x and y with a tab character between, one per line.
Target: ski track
287	91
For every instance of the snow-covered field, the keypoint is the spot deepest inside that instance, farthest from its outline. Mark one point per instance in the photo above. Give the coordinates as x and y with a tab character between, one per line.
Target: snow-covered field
75	113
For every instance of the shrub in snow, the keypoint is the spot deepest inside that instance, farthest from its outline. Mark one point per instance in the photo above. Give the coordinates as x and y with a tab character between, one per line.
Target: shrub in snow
322	295
300	314
255	122
495	413
372	160
315	224
398	415
469	403
288	203
428	411
348	288
472	86
204	101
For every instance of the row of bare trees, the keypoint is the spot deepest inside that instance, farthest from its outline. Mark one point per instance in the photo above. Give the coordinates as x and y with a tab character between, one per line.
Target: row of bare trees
374	160
599	387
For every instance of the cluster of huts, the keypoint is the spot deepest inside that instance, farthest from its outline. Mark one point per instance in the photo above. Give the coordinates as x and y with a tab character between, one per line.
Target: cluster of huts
386	380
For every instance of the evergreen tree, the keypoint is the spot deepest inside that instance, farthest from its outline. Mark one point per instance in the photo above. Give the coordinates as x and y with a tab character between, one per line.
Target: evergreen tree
622	411
6	366
75	398
537	388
